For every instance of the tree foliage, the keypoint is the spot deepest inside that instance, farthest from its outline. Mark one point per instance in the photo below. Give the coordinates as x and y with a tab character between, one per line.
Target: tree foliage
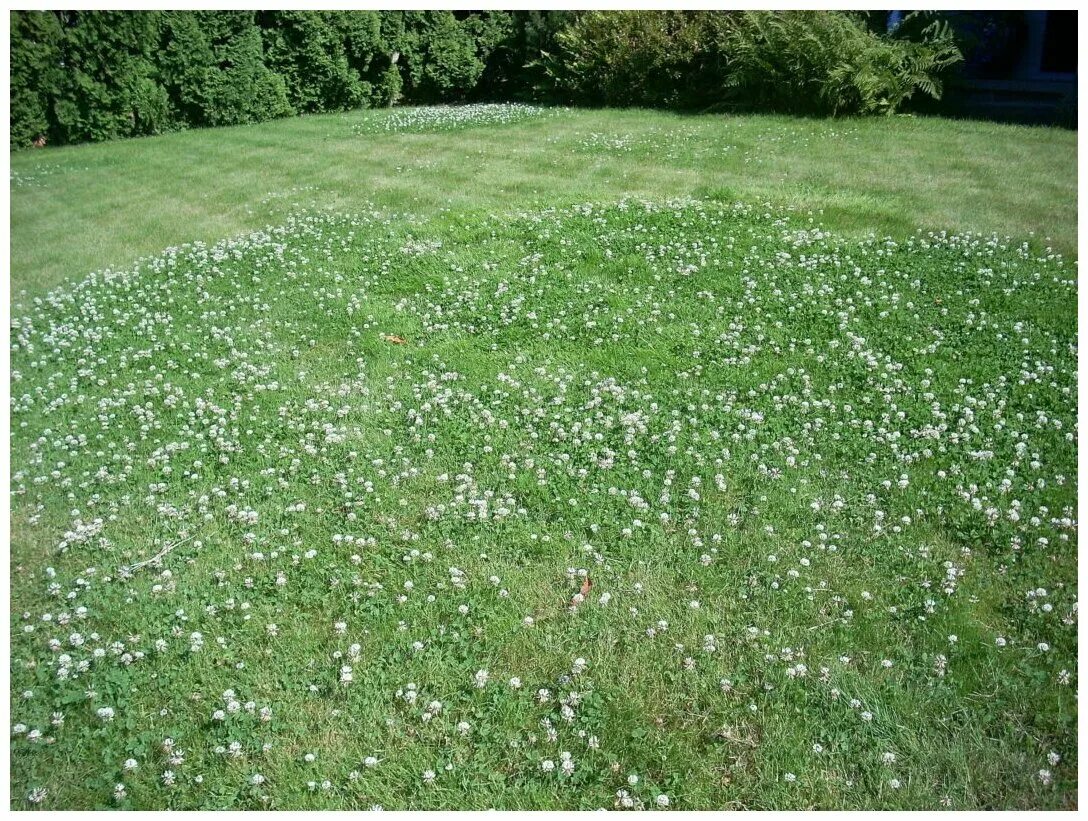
308	50
818	62
212	65
35	70
811	62
79	76
637	58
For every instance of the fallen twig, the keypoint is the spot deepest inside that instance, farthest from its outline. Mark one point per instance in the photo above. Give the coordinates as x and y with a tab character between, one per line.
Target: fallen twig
158	555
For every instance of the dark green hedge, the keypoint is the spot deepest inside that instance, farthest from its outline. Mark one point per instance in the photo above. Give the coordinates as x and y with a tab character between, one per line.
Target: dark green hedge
80	76
88	76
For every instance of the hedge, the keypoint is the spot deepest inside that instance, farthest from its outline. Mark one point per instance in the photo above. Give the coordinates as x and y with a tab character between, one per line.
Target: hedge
82	76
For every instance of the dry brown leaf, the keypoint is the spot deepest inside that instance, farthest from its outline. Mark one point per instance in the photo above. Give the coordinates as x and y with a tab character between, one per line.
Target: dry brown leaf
587	585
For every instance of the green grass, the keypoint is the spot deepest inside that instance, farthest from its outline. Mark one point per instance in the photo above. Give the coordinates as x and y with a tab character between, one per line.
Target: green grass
823	486
86	207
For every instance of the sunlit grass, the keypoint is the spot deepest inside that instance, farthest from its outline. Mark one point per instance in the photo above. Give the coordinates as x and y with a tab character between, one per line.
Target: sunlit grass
86	207
626	505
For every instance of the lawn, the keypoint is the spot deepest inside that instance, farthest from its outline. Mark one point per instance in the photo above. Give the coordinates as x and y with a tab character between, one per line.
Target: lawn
82	208
546	460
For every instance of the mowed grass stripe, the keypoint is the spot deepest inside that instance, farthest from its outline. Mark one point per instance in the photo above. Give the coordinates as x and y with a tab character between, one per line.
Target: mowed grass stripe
111	203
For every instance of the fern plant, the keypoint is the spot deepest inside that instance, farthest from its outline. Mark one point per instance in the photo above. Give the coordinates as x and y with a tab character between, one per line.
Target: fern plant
825	62
809	62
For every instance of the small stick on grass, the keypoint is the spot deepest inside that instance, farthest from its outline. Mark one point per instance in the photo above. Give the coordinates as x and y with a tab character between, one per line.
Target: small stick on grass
158	555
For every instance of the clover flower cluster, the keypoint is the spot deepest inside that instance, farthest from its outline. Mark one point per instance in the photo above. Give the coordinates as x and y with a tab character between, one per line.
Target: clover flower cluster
450	117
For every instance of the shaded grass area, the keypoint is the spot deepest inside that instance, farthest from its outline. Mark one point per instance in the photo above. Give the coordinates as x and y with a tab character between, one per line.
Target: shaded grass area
83	208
